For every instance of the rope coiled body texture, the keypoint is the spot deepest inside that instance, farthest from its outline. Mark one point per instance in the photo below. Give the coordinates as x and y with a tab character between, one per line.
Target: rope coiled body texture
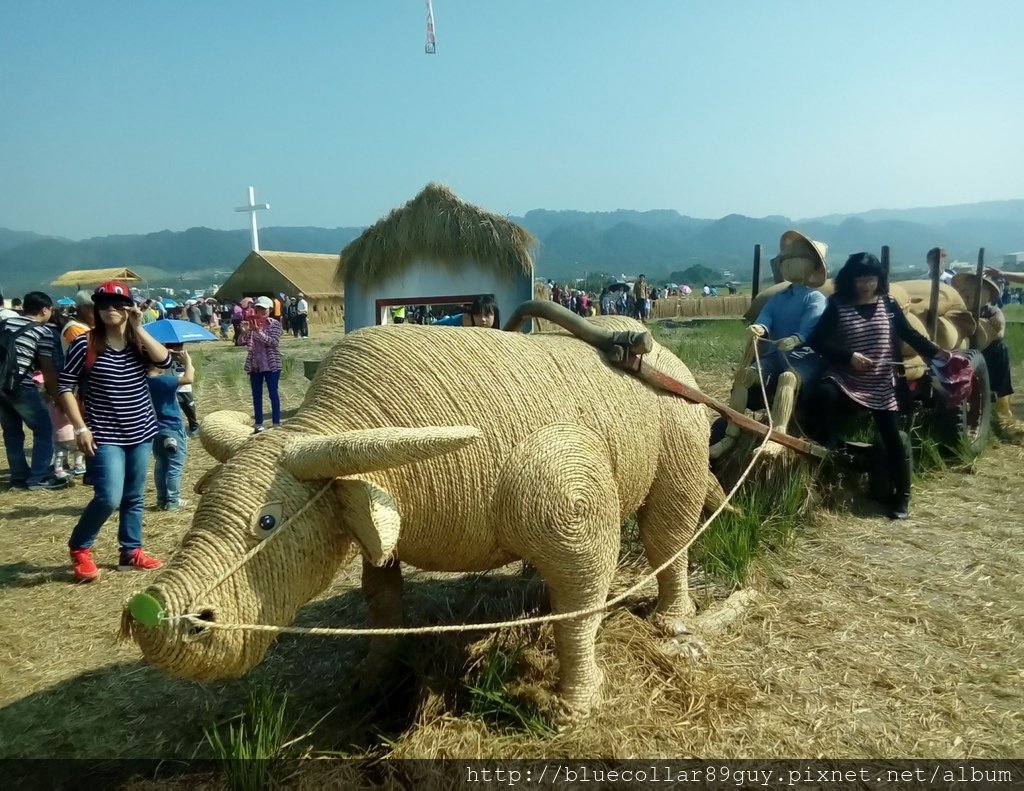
568	446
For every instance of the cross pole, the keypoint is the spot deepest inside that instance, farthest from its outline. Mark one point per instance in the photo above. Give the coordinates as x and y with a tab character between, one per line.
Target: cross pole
252	208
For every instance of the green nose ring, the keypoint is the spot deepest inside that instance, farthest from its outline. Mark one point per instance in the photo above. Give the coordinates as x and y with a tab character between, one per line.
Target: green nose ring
145	609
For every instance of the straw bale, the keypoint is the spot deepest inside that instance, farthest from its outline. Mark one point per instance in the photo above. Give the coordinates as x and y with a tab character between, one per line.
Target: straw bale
438	225
919	292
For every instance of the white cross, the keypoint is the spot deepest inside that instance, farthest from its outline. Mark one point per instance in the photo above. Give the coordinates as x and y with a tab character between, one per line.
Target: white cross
252	208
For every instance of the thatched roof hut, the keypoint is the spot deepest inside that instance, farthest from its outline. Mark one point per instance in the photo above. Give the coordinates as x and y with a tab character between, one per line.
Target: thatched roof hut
77	278
271	273
437	249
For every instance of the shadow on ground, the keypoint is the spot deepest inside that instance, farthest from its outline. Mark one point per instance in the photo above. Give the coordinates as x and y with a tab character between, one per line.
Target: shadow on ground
131	710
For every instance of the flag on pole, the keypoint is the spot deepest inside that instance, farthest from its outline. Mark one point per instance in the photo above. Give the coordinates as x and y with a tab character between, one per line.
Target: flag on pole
430	28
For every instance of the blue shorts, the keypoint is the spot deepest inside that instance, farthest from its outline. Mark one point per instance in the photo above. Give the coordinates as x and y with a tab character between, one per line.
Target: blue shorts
806	363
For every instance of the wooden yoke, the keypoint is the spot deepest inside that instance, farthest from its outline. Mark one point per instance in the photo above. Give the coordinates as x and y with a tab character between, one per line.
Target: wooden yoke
652	376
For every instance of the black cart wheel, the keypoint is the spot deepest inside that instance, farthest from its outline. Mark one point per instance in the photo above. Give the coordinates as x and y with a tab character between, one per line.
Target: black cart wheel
969	425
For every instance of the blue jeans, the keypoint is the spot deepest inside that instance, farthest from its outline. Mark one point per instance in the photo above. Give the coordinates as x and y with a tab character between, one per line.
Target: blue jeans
119	483
256	380
168	467
26	406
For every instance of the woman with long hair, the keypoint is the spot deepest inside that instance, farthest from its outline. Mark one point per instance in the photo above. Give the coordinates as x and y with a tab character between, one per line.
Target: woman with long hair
262	335
859	335
108	366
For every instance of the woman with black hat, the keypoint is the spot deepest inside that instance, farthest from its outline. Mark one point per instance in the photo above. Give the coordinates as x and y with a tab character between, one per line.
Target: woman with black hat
859	336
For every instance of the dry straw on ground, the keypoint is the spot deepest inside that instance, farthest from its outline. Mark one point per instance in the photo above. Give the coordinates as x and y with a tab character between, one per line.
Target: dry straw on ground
871	639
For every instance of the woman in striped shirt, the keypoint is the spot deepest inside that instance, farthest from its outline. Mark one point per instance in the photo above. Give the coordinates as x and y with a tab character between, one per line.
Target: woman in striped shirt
262	335
859	335
108	365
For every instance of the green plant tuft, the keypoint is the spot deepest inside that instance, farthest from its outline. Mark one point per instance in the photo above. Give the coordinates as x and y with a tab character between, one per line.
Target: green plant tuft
491	701
770	508
255	743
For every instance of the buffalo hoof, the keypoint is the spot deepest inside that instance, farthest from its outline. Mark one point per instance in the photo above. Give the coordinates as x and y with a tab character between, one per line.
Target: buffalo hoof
688	646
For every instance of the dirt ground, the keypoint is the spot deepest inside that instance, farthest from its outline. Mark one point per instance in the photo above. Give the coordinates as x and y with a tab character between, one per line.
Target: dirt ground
870	638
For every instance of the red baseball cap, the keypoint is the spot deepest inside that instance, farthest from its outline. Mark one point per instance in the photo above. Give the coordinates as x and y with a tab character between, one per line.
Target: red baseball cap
112	291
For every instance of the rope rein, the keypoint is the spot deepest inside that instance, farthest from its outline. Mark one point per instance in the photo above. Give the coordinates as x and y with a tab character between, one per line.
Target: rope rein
314	631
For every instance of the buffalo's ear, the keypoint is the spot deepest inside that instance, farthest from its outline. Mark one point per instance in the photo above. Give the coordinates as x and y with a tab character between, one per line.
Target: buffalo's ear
371	516
224	433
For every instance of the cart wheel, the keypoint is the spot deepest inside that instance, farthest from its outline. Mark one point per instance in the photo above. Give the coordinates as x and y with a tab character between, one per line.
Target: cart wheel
880	483
969	425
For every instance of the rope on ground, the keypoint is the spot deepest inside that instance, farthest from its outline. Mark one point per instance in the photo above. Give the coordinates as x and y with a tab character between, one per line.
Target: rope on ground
317	631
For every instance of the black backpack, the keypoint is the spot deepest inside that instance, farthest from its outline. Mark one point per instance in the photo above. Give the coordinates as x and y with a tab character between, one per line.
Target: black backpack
10	373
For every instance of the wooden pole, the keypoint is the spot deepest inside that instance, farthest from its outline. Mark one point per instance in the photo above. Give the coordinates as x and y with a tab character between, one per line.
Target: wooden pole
757	272
976	307
885	258
933	299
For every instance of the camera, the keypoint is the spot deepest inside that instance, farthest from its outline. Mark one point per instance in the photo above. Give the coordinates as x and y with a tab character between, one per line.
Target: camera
170	445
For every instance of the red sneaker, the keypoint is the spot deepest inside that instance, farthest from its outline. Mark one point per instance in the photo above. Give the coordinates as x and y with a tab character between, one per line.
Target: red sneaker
137	560
85	569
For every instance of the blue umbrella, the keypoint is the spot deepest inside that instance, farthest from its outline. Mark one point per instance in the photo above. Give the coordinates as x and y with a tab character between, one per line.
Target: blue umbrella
174	331
170	303
66	301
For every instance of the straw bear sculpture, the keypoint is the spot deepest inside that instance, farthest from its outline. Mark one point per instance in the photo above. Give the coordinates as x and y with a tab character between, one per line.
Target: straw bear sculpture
446	449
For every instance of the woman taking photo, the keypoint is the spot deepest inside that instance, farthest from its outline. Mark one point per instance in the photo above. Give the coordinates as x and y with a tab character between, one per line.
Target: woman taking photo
262	335
108	366
859	335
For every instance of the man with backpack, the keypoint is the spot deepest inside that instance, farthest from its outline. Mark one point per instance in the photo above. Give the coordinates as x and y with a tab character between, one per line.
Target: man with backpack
26	344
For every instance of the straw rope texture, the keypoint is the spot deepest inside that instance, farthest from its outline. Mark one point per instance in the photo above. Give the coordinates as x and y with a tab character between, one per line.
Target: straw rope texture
525	447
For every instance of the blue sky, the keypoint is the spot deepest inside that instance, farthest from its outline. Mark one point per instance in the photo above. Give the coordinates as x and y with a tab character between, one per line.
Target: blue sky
131	117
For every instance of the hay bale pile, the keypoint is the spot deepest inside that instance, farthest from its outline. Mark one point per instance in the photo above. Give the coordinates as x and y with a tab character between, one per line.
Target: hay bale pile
697	306
955	328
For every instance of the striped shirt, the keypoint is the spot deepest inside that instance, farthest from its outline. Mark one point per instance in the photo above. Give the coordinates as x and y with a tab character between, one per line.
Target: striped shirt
117	405
31	344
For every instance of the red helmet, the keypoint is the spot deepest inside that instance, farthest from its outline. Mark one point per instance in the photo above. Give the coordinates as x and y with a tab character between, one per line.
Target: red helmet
110	290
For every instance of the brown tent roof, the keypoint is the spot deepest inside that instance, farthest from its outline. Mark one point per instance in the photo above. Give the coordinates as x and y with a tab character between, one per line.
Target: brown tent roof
89	277
316	275
438	225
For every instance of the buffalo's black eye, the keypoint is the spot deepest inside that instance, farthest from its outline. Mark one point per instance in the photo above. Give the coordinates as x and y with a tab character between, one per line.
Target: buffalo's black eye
268	522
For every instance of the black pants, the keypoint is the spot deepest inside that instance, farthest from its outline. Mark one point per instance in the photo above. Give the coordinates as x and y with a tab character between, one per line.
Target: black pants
832	402
188	408
997	358
300	325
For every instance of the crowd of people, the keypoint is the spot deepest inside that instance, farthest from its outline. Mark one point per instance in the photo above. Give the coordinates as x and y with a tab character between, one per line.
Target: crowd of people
226	318
101	397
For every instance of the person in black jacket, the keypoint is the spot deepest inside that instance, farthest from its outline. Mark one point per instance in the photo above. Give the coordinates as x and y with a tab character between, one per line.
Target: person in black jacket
859	336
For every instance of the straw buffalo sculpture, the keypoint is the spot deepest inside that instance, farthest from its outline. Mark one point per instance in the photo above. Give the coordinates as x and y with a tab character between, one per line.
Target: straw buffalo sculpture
454	450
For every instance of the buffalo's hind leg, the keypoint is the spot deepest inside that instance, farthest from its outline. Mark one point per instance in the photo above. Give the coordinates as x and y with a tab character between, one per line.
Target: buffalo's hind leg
556	505
669	517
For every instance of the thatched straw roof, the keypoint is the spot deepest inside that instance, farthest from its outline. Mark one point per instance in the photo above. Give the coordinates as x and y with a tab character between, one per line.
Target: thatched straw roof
317	275
439	226
89	277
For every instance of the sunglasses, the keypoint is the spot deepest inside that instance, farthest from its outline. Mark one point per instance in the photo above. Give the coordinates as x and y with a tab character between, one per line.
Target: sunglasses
113	305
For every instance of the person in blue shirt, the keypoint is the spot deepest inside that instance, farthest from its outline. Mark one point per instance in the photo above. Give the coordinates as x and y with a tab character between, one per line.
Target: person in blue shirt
482	313
171	444
782	329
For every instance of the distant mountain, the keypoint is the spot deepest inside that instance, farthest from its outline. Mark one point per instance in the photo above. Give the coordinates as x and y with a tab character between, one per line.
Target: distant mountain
1009	210
572	243
10	239
196	257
